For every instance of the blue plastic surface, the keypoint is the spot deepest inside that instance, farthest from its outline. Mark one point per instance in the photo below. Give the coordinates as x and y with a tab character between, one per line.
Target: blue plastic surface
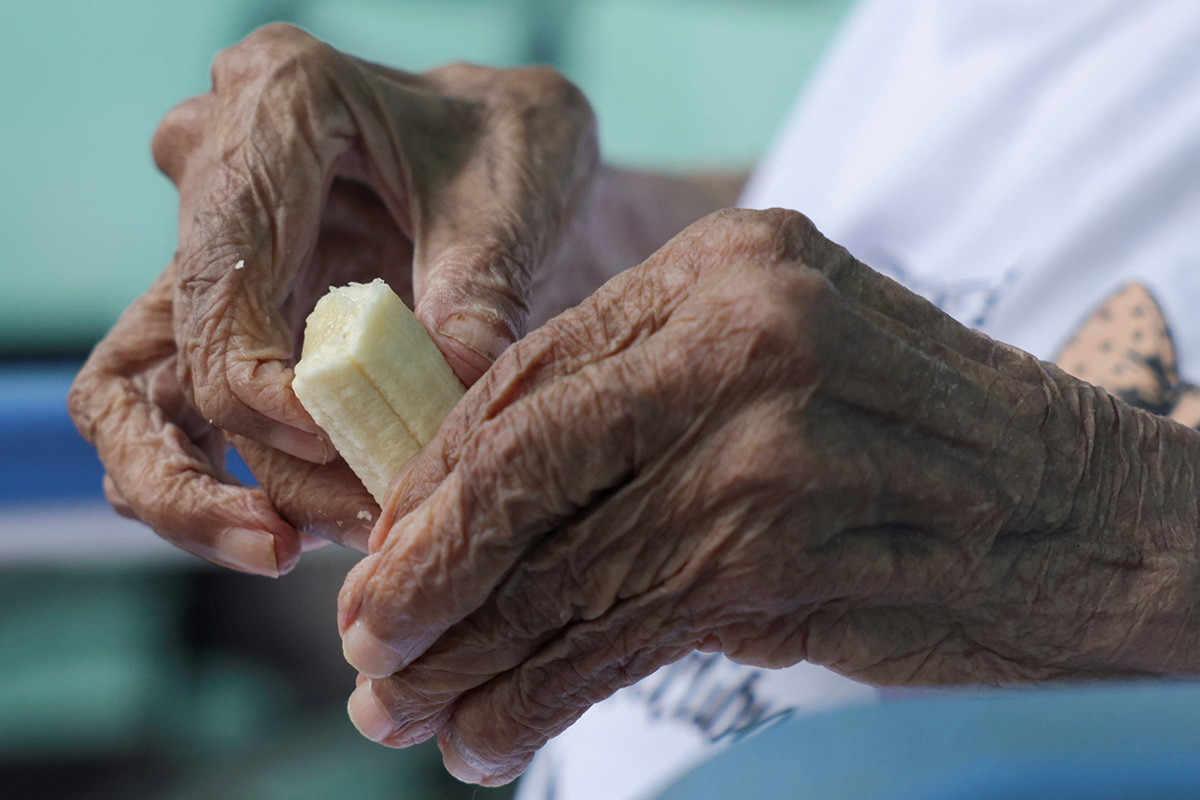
43	459
1101	742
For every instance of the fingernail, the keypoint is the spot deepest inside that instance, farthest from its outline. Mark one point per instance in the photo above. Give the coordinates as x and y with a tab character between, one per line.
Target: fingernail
368	715
476	335
459	761
367	653
248	550
310	542
304	445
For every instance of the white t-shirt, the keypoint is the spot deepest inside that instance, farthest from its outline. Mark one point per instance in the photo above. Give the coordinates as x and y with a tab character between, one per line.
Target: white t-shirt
1032	167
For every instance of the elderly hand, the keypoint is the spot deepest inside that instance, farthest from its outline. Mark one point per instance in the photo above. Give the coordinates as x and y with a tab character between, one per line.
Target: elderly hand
754	444
305	168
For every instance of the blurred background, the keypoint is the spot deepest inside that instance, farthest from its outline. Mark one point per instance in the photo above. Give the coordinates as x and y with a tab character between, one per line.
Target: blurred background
128	669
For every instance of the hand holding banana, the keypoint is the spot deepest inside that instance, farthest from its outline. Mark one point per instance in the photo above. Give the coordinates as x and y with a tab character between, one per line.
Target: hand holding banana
302	169
750	443
753	444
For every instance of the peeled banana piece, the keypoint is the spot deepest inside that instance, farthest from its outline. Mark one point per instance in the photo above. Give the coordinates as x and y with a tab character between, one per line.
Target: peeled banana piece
372	378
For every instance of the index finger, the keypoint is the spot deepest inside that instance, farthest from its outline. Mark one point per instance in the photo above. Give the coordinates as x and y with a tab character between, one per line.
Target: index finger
161	467
274	138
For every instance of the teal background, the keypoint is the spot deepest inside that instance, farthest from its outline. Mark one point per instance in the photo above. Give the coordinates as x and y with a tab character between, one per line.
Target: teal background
139	672
87	221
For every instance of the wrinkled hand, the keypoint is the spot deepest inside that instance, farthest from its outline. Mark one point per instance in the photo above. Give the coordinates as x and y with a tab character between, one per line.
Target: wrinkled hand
754	444
305	168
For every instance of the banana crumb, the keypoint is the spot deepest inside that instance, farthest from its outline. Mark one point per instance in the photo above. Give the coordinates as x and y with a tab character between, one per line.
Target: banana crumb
240	265
364	514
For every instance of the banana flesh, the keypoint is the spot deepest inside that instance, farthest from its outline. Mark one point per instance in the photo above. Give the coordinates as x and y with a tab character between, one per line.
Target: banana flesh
372	378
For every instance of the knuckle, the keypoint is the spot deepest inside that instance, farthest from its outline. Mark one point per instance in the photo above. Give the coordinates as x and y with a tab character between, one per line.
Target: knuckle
772	311
548	102
274	49
721	227
460	73
176	136
79	405
116	498
773	235
553	88
803	294
807	312
95	396
277	33
782	320
164	147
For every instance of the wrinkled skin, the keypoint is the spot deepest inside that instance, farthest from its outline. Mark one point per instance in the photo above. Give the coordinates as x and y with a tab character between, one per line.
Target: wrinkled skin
313	169
749	444
755	445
